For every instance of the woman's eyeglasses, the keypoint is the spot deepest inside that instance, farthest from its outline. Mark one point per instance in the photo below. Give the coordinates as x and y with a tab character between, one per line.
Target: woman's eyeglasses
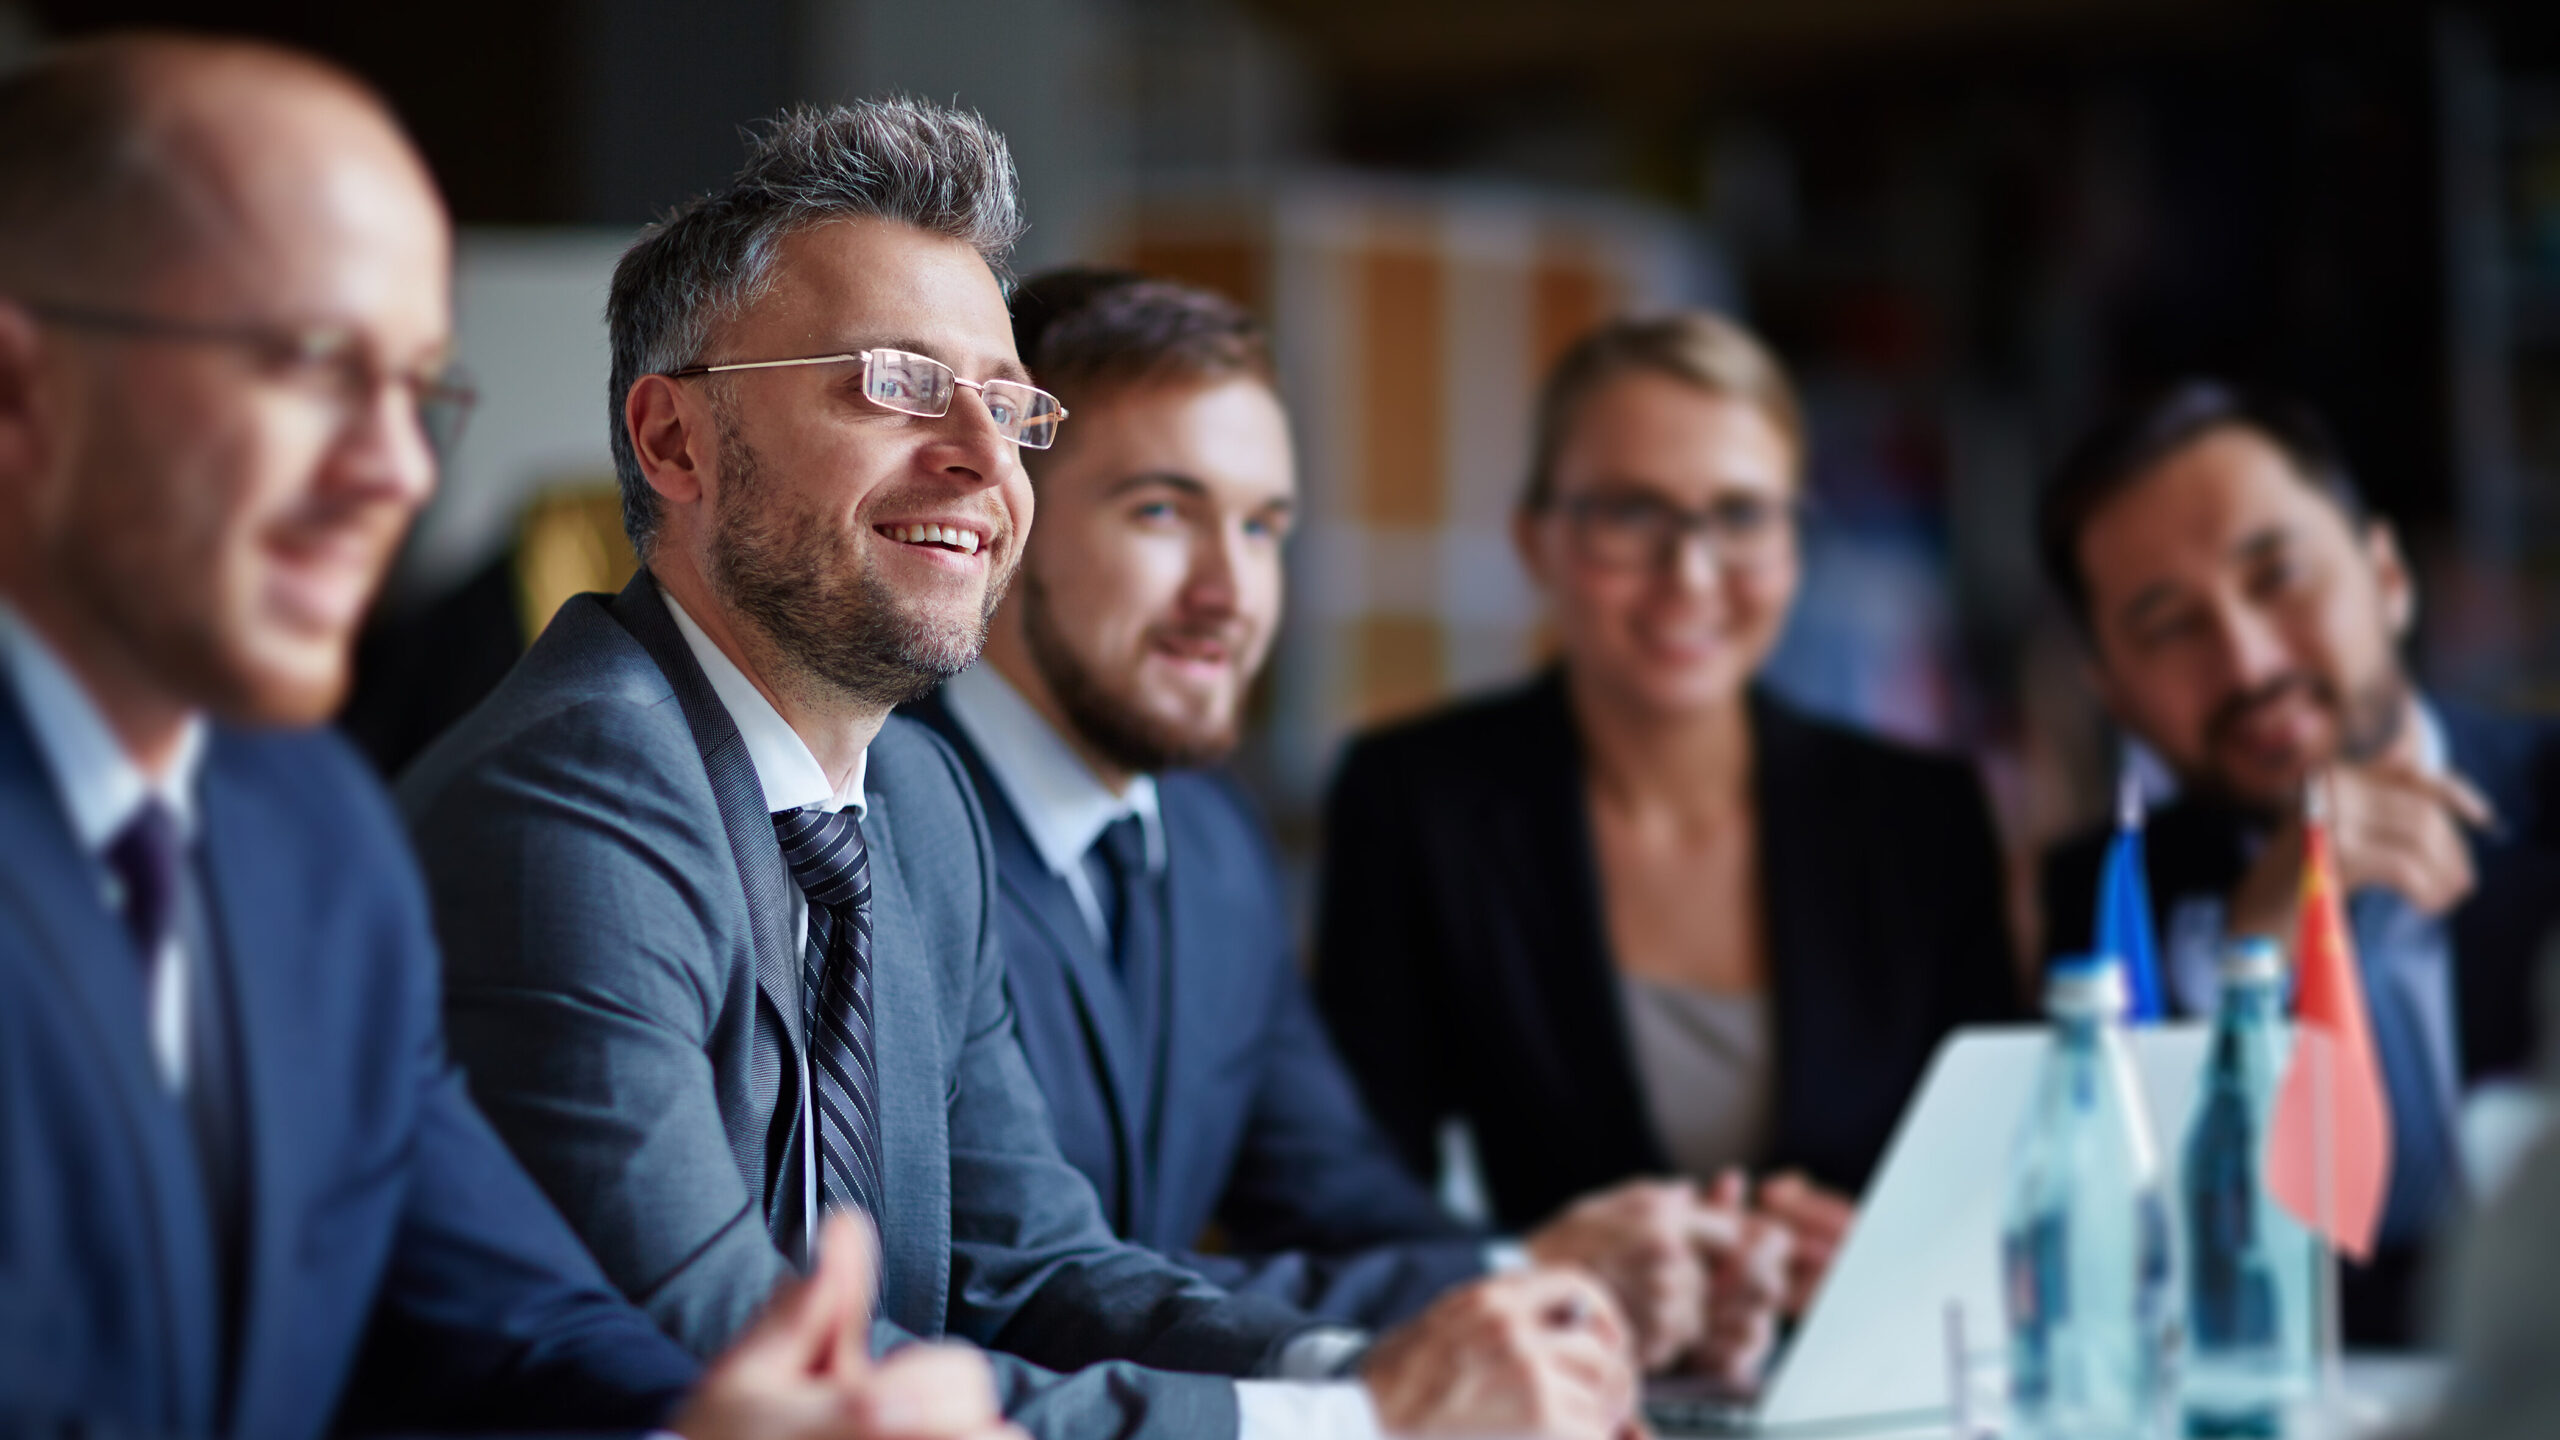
1634	532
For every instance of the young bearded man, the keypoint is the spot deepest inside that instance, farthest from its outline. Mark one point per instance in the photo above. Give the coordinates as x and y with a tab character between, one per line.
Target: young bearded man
719	924
1143	915
242	1190
2245	616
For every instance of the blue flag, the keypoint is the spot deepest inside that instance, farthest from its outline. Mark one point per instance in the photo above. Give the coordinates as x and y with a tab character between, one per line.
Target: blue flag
2124	912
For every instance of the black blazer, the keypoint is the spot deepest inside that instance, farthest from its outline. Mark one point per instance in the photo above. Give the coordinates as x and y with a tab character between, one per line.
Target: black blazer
1464	964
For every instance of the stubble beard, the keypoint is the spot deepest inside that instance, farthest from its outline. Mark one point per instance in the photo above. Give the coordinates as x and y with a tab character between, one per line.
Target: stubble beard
1117	728
806	584
2371	718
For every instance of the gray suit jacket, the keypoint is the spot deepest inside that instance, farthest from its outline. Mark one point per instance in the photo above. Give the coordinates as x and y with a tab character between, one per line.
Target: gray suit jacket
623	989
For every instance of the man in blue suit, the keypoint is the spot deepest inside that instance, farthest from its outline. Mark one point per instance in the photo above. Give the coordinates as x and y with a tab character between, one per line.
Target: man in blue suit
718	924
2245	614
1149	943
242	1190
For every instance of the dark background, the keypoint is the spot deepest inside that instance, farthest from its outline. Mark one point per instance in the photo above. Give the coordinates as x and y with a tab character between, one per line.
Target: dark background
1967	223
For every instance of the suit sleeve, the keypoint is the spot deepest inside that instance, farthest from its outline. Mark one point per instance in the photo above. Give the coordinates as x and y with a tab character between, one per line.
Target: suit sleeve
490	1313
1376	969
586	991
1035	1268
1322	1211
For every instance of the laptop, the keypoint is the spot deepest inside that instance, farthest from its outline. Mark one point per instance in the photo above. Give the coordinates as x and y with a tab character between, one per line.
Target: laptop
1872	1358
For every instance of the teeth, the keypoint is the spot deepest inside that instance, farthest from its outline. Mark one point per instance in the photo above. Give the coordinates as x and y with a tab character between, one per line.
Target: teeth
964	541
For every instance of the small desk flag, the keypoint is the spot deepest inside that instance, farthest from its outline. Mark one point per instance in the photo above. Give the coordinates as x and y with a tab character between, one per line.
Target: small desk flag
2329	1148
2124	911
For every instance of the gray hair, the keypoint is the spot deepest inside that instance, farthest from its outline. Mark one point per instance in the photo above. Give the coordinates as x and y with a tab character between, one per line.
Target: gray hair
941	170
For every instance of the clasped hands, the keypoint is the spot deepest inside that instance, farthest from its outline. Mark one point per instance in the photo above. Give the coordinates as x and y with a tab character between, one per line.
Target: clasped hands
1645	1277
1650	1276
1703	1273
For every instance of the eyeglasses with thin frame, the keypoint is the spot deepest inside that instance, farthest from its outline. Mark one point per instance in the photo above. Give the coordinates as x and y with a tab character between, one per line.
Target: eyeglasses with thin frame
1629	531
913	384
329	361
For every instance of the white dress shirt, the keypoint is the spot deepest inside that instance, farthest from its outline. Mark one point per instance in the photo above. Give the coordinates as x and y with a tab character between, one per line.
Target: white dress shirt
1063	806
102	789
792	779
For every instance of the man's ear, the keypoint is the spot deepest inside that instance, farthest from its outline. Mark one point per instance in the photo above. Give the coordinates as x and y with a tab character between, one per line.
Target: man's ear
2392	578
671	434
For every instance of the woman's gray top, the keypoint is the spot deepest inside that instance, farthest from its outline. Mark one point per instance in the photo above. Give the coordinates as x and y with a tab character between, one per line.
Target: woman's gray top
1702	1058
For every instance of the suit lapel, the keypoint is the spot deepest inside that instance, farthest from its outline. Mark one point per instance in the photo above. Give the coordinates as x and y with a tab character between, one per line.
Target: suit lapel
1806	896
1055	918
93	959
1542	843
907	1049
1202	907
762	875
262	919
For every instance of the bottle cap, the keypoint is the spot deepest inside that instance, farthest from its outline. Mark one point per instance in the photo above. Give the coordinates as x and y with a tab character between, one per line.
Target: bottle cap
2252	960
2085	987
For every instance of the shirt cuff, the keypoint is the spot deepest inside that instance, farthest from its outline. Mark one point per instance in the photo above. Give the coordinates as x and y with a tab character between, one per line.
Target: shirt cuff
1281	1410
1502	1257
1325	1353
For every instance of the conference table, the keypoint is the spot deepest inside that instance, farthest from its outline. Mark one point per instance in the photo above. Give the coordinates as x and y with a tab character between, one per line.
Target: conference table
2384	1393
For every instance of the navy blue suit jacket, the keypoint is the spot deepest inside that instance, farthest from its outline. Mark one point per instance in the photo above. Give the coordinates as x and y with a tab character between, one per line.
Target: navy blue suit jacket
1238	1111
398	1268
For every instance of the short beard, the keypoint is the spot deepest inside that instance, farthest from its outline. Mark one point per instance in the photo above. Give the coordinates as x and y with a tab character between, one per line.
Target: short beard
801	580
2370	719
1120	732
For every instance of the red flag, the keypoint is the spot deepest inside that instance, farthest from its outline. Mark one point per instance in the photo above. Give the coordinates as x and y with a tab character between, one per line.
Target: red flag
2338	1121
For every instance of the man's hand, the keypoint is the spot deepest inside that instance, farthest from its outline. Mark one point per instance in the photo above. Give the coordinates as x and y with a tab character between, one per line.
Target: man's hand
2390	824
1817	1223
805	1369
1641	1240
1539	1353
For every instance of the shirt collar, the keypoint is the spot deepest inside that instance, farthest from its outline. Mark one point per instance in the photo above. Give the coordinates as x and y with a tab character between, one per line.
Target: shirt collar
1063	805
99	783
791	776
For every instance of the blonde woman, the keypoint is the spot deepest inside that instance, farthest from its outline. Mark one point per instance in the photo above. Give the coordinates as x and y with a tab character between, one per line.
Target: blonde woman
1638	915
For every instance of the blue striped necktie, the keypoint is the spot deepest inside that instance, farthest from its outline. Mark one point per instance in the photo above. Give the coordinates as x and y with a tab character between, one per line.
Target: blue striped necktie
827	858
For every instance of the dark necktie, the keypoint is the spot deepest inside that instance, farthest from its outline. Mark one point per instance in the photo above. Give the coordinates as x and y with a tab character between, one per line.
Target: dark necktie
827	858
144	856
1117	866
1132	897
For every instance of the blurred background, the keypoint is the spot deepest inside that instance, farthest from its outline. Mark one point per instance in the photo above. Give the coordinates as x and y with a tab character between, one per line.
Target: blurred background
1967	225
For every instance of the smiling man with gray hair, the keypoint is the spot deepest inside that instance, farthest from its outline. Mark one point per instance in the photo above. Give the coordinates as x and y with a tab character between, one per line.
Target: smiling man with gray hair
720	937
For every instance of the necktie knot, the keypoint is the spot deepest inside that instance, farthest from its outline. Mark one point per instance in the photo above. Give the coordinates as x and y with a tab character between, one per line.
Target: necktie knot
1123	845
144	856
825	852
